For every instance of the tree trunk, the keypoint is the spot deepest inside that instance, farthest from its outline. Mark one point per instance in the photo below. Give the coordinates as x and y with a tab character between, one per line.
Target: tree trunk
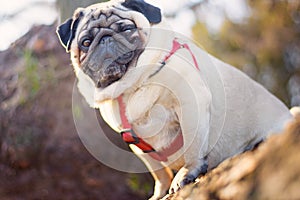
67	7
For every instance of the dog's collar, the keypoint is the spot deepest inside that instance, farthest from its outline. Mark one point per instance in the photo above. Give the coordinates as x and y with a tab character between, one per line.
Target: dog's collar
130	137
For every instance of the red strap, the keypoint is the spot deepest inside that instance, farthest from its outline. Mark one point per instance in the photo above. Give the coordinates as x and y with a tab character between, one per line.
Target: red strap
131	138
122	110
175	47
173	147
163	154
128	134
193	56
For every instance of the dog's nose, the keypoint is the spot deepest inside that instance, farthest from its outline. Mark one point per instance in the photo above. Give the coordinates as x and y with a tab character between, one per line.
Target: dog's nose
106	40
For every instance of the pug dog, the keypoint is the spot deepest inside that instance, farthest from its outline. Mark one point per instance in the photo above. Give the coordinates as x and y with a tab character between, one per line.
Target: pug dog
180	109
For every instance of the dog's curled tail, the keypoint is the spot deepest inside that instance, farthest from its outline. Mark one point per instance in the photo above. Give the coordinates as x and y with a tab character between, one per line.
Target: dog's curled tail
295	111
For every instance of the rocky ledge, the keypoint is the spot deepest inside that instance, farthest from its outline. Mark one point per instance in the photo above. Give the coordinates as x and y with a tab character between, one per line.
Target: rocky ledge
271	171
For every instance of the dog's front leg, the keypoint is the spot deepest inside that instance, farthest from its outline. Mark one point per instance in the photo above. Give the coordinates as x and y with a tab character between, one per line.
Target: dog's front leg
162	175
162	178
195	130
195	165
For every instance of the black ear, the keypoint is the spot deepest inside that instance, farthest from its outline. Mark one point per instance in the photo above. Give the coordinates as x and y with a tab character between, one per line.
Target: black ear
151	12
66	32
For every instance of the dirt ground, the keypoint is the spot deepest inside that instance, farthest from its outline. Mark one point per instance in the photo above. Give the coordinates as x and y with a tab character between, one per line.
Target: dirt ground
271	171
41	155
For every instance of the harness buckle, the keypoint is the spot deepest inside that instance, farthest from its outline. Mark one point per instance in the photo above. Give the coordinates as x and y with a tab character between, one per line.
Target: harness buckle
129	136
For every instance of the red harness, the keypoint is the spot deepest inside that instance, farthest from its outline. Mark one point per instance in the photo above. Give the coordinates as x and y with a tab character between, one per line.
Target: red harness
129	135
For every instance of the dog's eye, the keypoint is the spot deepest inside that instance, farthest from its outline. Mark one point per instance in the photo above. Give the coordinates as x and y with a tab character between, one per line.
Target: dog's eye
128	28
86	42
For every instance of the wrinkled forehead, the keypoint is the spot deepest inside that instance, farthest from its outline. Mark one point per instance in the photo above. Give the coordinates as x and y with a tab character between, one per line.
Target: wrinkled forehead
98	18
106	14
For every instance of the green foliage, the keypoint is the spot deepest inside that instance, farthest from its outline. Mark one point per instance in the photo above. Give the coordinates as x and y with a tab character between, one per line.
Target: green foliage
36	73
31	74
138	185
77	112
258	46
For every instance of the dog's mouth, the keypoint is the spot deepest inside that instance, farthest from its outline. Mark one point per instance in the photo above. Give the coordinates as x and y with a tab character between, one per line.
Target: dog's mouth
112	71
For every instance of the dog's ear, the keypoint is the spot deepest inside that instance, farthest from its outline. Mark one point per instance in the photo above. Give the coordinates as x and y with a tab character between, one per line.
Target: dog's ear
152	13
66	31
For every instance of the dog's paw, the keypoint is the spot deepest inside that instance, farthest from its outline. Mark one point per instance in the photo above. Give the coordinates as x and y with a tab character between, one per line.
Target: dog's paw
186	176
181	179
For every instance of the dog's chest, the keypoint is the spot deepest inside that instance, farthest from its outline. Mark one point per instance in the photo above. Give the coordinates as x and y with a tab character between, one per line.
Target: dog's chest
152	113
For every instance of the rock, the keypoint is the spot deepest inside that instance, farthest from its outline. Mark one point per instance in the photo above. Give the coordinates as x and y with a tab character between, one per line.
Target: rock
272	171
28	68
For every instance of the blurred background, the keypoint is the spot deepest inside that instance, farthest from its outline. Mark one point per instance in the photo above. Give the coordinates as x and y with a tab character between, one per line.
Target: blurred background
41	156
